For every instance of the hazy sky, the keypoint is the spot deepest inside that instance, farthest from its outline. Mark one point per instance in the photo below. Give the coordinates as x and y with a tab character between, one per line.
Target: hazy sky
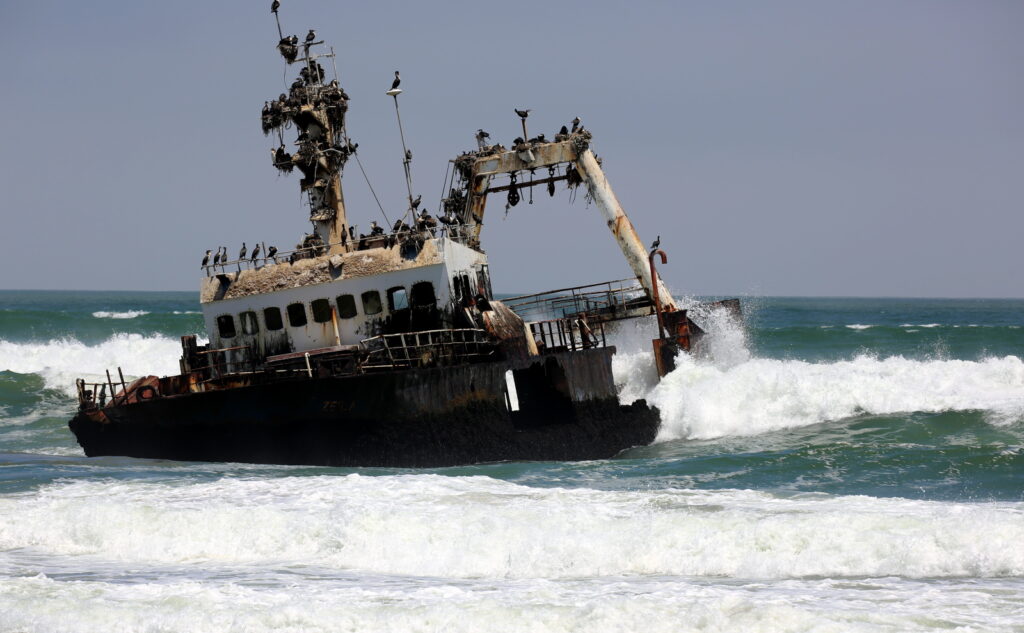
782	148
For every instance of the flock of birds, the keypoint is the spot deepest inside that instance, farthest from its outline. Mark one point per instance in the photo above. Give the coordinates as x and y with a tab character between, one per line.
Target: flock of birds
221	256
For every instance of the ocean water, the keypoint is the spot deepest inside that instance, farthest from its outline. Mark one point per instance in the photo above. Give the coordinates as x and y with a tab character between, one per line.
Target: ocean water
841	465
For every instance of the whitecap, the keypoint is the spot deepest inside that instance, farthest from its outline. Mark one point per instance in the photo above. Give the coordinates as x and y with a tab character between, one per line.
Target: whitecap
130	314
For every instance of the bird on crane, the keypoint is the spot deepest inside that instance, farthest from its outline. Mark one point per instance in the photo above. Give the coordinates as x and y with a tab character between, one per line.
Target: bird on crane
398	80
206	260
657	244
241	253
416	202
481	136
310	36
275	6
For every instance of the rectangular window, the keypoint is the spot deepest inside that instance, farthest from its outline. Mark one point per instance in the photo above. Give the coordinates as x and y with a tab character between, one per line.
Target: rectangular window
423	294
272	319
296	314
250	324
226	326
397	299
321	310
346	306
371	302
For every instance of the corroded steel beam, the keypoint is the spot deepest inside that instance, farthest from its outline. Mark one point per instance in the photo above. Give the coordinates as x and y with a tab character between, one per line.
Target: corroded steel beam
632	248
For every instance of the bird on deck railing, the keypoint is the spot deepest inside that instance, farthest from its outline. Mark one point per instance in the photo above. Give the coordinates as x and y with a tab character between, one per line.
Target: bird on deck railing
398	80
656	244
241	253
206	260
255	253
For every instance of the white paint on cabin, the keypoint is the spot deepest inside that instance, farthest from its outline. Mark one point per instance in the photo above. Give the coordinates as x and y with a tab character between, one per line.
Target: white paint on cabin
247	315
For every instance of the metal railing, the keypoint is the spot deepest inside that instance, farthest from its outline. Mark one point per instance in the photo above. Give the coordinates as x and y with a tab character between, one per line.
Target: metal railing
429	347
456	232
567	334
605	301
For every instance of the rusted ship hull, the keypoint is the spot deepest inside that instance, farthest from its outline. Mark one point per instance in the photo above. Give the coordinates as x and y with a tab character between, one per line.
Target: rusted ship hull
442	416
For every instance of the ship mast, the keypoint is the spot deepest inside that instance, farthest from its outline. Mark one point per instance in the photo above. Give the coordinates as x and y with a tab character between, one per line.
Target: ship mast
316	110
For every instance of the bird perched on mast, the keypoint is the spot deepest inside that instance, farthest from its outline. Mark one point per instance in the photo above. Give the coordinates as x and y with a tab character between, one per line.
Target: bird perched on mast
656	244
481	138
398	80
310	36
522	117
275	6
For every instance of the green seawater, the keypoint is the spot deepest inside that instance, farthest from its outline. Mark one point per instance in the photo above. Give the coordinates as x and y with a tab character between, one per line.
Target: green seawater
842	464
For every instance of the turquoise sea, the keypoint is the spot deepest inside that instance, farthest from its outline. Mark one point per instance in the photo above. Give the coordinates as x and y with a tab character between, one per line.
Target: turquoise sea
840	465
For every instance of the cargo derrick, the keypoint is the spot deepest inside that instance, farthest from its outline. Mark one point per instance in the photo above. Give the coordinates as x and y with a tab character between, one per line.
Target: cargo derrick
571	153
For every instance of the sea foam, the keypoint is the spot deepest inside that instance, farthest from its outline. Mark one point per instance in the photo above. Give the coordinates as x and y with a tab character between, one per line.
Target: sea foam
130	314
61	361
736	393
477	527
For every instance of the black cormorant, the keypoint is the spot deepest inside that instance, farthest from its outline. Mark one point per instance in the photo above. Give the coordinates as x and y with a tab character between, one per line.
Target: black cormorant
255	253
575	124
241	253
310	36
416	202
522	113
656	244
206	260
274	6
272	253
398	80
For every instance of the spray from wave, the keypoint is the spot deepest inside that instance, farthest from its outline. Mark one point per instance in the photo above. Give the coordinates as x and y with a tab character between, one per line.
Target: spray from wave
735	393
431	525
61	361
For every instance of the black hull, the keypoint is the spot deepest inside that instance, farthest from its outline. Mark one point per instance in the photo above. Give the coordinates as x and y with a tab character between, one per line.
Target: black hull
418	418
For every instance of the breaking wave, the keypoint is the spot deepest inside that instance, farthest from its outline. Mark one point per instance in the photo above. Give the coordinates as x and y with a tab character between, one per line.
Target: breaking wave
60	362
478	527
739	394
130	314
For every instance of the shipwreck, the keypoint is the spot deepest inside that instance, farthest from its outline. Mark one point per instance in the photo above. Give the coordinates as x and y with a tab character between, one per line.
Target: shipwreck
390	348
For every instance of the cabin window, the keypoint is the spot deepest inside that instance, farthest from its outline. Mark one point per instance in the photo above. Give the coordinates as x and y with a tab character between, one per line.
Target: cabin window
423	295
483	278
296	314
272	319
250	324
371	302
397	299
226	326
346	306
321	310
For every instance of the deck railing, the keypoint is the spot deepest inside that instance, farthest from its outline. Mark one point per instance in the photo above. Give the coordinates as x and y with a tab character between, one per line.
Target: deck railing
605	301
429	347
